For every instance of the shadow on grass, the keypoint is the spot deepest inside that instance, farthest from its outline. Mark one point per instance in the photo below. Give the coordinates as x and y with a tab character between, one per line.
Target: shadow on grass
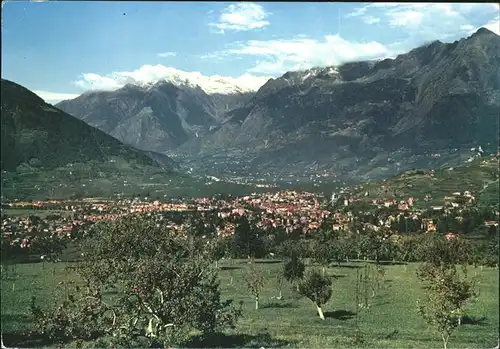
229	268
271	261
390	335
279	305
391	263
23	340
347	266
339	314
472	320
236	341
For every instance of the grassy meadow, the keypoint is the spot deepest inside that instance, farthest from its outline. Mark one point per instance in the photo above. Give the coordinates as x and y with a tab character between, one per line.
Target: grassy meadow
391	320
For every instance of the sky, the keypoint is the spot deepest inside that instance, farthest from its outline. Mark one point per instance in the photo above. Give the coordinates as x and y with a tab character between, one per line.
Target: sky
61	49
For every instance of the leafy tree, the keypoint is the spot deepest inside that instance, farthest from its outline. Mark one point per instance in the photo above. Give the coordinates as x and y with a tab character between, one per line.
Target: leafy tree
379	275
218	248
279	236
293	270
279	285
317	288
435	249
345	247
321	254
486	252
407	248
247	241
446	293
376	246
255	281
161	293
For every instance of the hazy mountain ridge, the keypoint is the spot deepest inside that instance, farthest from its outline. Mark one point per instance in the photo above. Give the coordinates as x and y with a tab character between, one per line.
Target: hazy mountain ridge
47	153
159	117
435	98
37	133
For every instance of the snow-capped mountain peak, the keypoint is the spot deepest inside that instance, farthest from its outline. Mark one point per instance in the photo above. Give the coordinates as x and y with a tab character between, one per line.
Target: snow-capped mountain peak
148	75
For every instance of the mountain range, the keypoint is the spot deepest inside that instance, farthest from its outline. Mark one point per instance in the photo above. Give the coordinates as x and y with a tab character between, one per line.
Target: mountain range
40	135
47	153
359	120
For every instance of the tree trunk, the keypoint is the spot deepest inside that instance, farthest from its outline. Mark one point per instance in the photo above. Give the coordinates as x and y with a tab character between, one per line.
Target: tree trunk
323	271
298	287
256	303
216	264
445	340
320	313
280	295
459	320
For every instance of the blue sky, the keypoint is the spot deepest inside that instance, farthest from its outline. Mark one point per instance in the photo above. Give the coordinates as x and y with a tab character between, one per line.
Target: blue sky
61	49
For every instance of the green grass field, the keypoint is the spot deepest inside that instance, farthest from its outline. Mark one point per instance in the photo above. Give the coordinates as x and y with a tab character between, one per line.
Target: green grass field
390	322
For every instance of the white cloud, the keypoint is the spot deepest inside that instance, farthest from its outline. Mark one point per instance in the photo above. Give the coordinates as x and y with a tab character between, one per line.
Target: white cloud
494	26
242	17
91	81
148	74
371	19
54	97
429	21
167	54
467	27
406	19
361	12
279	56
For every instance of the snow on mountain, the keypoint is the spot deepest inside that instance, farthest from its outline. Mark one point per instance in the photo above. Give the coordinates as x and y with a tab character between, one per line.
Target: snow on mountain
148	75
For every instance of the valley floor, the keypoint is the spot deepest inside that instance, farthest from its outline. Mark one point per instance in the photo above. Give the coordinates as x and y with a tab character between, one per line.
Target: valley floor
391	321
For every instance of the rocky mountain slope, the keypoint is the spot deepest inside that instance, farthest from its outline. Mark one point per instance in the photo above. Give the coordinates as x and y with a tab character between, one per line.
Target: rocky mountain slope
157	117
38	134
372	118
361	119
46	153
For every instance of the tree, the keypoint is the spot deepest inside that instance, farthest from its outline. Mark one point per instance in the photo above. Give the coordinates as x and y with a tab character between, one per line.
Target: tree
376	246
255	281
279	285
446	294
217	249
317	288
321	250
345	246
293	270
161	293
435	249
247	241
446	291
